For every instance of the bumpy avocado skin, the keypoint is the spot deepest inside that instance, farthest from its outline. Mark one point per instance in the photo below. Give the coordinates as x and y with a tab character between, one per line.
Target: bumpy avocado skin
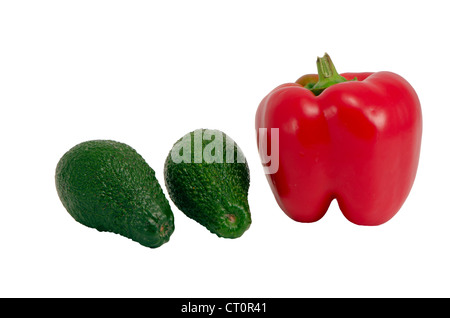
213	194
108	186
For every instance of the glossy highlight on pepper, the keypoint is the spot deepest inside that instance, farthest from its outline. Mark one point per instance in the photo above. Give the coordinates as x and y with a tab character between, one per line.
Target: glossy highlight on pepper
353	137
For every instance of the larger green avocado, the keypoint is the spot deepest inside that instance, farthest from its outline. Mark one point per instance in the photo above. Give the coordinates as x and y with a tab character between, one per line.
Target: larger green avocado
108	186
207	177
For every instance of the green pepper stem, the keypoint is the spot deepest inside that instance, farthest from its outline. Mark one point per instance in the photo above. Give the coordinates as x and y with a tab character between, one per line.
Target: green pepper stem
327	75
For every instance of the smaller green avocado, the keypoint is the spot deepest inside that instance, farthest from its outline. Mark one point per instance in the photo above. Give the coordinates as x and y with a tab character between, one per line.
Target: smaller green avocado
108	186
207	177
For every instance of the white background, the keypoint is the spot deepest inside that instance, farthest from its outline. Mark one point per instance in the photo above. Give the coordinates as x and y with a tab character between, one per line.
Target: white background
147	72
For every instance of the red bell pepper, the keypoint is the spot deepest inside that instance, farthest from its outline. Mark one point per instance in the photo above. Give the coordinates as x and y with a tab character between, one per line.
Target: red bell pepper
353	137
